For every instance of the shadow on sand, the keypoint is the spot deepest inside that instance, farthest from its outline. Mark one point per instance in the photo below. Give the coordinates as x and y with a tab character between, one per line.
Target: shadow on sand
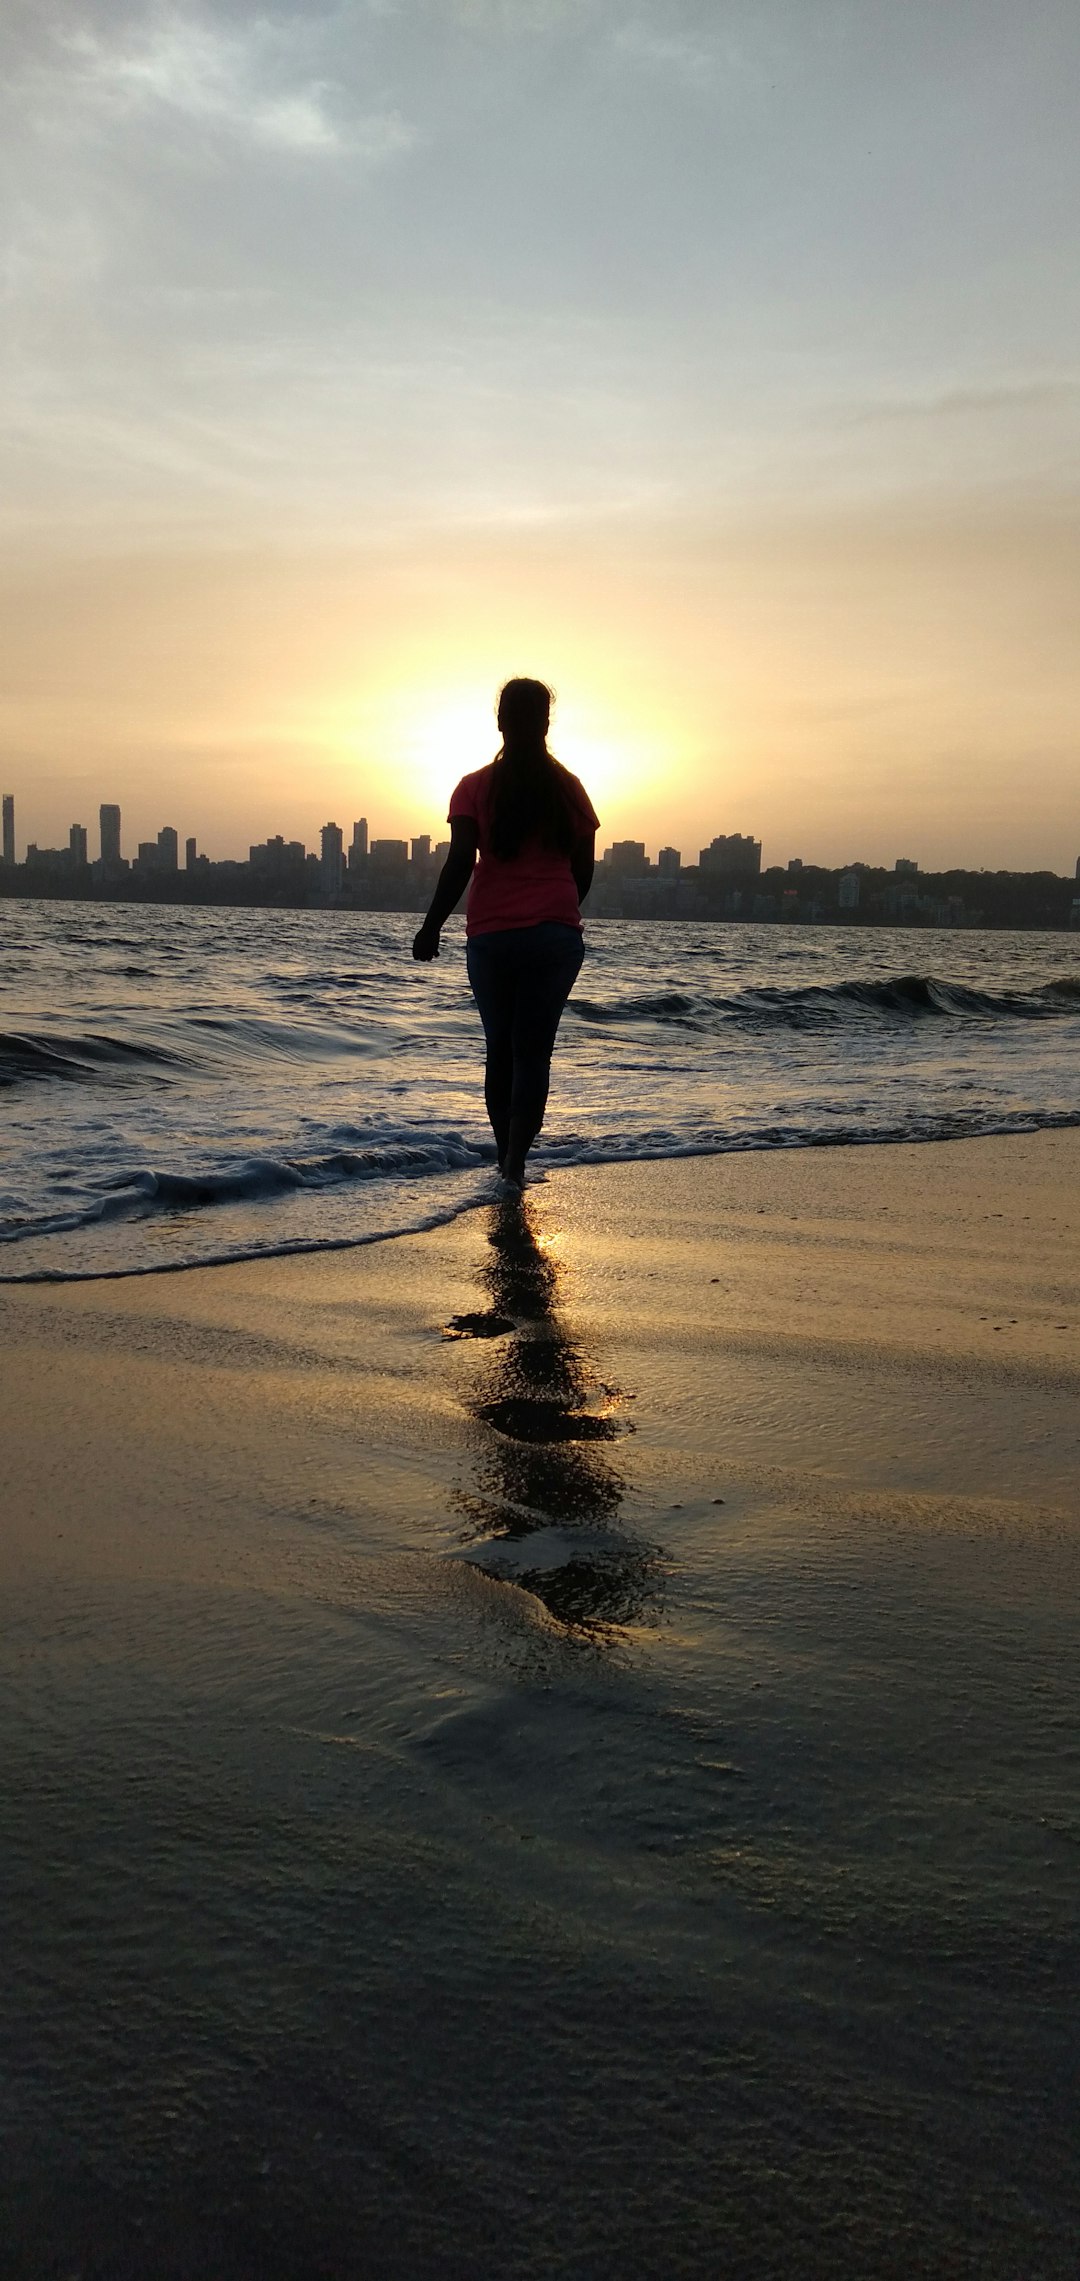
543	1512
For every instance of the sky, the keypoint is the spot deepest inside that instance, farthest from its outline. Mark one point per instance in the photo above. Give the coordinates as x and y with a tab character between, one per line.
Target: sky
717	363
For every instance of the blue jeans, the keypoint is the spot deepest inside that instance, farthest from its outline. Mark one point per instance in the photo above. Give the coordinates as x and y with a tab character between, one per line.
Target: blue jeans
521	978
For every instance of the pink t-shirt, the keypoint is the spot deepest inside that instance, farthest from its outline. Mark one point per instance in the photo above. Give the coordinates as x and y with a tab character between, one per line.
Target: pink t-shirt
537	884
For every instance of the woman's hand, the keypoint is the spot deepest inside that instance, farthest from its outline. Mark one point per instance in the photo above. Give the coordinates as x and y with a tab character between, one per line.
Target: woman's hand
450	886
426	943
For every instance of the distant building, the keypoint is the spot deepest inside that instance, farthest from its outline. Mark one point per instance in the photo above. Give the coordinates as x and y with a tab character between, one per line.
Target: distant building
168	849
110	834
732	852
332	859
279	861
359	847
9	830
795	863
191	854
77	846
669	863
905	868
849	891
148	858
421	848
387	855
626	859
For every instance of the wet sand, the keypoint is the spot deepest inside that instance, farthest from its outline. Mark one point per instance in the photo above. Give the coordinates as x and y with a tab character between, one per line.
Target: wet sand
550	1747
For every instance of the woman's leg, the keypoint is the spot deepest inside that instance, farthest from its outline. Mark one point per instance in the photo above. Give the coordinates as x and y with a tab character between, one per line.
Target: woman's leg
493	987
548	963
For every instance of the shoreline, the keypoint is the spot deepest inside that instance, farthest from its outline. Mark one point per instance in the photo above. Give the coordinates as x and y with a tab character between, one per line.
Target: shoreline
702	915
328	1246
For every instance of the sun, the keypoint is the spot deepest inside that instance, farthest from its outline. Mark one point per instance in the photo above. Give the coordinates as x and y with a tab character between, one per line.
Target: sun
414	742
447	737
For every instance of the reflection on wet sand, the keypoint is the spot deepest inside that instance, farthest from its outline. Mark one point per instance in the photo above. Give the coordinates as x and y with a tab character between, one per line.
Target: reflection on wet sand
543	1511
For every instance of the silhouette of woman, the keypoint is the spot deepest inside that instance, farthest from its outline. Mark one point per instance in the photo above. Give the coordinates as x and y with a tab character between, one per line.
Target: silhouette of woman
522	840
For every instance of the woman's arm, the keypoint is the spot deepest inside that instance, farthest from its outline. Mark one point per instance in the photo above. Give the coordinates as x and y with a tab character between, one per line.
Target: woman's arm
450	886
583	863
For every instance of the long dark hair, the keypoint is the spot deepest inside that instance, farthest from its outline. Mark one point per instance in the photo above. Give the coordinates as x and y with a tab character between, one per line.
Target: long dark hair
530	800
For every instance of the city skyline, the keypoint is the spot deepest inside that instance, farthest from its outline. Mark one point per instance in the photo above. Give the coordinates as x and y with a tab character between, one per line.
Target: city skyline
735	854
720	366
164	850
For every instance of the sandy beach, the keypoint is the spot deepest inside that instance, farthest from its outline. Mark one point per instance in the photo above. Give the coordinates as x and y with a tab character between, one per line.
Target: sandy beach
550	1746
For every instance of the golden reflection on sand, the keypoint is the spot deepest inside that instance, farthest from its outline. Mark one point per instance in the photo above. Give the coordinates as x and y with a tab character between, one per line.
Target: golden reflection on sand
542	1508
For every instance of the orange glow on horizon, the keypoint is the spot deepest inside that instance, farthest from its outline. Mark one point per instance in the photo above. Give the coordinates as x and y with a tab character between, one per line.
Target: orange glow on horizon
428	738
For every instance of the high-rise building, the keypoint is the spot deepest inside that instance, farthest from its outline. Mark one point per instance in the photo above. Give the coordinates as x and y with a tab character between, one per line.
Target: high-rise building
332	860
168	849
191	852
626	859
110	834
279	861
9	827
669	863
906	867
421	848
736	852
77	844
359	842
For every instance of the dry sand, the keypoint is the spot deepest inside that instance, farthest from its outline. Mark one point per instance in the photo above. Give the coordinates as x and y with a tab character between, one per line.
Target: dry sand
596	1798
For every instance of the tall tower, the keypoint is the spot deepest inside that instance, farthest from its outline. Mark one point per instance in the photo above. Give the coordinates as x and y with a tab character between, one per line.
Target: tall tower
110	833
191	851
9	827
168	848
332	864
77	844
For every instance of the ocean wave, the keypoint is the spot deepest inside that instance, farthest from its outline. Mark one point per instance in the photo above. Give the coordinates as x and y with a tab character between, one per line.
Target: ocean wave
907	997
401	1164
25	1054
203	1041
140	1193
210	1045
259	1037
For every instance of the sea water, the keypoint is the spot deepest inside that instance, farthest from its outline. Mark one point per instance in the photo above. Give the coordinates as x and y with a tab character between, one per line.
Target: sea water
185	1086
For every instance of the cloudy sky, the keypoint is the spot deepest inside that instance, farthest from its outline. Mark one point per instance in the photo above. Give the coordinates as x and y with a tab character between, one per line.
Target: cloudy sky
719	363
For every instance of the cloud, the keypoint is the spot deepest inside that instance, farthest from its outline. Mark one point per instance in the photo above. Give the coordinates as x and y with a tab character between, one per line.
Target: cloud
240	83
677	54
1037	395
710	52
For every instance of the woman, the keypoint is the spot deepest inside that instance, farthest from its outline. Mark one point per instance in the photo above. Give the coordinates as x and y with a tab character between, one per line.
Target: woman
531	824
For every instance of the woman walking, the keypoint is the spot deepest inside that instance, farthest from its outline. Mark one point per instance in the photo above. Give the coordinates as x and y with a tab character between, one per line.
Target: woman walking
522	831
